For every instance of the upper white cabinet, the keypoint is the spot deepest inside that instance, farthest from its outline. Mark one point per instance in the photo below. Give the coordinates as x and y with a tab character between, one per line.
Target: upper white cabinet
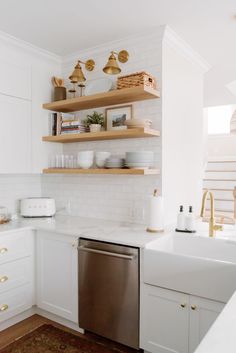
25	83
174	322
57	275
15	79
15	135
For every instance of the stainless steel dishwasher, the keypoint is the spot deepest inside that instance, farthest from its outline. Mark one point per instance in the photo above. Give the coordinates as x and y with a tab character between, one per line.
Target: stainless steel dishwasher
109	291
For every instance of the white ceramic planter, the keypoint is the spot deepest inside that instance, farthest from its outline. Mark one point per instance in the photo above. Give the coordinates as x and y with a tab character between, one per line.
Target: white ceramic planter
95	127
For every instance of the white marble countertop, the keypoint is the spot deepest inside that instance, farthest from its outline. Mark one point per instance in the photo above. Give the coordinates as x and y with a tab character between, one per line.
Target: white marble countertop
116	232
221	336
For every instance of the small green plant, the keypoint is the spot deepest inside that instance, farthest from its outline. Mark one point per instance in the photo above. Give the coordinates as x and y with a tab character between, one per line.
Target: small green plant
95	118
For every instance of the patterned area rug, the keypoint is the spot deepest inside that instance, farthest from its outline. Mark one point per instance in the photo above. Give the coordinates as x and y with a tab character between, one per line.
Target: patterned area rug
49	339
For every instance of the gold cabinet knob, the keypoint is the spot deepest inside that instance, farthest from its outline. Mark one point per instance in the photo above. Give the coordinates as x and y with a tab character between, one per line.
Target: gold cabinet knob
193	307
3	279
3	307
3	250
183	305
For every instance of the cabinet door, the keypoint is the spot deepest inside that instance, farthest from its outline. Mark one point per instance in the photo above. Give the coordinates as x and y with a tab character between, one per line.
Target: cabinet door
57	275
164	320
203	313
15	135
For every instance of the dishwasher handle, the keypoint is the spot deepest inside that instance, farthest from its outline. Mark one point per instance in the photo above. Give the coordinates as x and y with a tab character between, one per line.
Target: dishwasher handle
107	253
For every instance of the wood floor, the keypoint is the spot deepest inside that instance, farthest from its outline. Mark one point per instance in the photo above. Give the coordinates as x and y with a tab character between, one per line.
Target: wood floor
22	328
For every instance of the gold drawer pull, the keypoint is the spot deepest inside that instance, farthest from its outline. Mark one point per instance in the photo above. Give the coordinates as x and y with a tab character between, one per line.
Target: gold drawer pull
193	307
3	307
183	305
3	279
3	250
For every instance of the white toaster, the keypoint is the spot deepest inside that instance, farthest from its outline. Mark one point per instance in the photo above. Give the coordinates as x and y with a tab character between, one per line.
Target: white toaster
37	207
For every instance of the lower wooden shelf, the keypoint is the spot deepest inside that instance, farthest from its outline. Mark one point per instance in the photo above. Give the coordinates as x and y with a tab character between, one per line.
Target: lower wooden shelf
102	171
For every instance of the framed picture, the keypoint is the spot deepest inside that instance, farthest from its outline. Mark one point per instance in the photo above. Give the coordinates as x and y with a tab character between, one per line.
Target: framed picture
116	117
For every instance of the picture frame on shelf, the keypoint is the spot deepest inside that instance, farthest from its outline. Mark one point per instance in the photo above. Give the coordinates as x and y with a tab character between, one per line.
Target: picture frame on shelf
116	116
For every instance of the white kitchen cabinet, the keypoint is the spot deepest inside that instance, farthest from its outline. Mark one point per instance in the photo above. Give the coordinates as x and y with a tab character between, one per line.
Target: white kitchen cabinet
174	322
164	320
17	285
15	78
203	312
15	135
57	274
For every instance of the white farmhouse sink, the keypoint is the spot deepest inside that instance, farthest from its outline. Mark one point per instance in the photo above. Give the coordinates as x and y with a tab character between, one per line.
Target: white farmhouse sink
193	264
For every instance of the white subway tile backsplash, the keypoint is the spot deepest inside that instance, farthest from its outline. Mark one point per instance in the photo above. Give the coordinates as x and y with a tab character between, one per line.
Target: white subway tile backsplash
15	187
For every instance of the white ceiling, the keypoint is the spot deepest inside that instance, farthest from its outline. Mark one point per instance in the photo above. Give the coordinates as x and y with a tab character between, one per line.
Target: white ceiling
63	27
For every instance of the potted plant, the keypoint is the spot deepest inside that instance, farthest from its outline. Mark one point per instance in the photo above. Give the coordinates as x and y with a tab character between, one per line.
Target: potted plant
95	121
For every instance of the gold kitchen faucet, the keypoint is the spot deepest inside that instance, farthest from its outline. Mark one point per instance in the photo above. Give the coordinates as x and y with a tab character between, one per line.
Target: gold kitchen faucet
213	227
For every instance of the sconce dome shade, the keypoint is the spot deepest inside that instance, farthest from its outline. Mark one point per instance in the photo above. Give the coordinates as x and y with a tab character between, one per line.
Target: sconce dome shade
112	67
77	75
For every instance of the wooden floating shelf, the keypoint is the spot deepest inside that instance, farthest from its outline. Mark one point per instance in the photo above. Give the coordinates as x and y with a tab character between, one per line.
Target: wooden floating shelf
118	96
103	135
102	171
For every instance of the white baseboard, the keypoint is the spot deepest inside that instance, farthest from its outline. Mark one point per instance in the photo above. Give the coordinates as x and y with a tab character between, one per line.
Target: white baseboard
59	320
35	310
18	318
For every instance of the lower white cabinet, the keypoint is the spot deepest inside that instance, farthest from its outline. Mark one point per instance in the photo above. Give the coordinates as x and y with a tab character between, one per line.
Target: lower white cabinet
57	274
203	312
174	322
17	292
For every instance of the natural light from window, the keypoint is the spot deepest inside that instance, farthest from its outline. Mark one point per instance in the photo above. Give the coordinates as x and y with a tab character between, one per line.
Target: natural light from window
219	119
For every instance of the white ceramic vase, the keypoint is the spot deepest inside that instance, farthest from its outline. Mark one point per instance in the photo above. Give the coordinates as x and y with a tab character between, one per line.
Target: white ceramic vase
95	127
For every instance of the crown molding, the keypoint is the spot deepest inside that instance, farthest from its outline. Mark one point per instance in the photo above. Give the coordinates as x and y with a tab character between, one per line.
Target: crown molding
175	41
155	33
32	49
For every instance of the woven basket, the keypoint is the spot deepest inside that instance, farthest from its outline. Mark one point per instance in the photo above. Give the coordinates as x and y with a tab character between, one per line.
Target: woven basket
136	79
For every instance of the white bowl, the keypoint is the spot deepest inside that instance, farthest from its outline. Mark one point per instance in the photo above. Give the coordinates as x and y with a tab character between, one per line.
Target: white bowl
102	155
85	154
140	154
85	164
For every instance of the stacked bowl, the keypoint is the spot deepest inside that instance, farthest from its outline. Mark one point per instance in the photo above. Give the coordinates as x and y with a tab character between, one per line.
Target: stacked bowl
85	159
101	158
115	162
139	160
137	123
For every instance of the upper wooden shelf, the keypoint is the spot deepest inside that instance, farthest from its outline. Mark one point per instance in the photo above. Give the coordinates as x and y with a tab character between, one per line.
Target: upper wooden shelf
103	135
102	171
118	96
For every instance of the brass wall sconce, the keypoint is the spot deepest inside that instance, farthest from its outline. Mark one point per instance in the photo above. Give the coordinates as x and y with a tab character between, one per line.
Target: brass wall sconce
77	75
112	67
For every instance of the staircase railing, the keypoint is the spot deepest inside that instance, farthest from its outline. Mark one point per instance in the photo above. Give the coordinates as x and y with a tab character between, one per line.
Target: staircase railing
234	193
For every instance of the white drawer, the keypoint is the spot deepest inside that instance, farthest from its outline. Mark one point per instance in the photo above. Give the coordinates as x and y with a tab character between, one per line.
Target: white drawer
15	245
15	302
16	273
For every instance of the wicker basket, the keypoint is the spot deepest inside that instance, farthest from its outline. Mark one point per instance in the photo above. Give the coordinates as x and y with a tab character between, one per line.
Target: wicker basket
136	79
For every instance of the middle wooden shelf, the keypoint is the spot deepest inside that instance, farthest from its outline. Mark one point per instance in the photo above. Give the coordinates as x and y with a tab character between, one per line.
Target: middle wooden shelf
103	135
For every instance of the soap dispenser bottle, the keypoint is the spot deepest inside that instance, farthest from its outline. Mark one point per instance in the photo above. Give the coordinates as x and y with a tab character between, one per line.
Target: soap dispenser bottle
181	219
190	224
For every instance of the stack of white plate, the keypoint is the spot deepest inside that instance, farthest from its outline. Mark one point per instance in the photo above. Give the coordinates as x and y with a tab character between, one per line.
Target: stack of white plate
136	123
115	162
136	160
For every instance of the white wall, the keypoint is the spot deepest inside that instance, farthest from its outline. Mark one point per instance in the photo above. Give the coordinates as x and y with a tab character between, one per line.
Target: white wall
178	153
221	146
122	198
182	130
